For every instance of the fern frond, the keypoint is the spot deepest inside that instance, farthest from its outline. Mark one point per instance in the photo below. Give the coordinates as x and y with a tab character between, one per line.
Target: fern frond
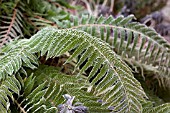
131	40
11	27
164	108
14	59
55	42
33	100
7	88
57	86
114	79
36	105
43	92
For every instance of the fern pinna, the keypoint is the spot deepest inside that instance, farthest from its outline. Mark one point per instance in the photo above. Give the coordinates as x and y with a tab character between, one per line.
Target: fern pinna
109	87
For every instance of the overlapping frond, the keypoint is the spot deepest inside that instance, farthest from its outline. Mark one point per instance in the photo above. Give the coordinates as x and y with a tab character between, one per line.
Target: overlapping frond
57	86
131	40
40	22
14	59
115	78
11	27
110	79
7	88
164	108
44	89
33	100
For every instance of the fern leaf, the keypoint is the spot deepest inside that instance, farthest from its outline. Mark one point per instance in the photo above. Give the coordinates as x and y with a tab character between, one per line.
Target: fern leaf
114	66
164	108
114	84
47	92
40	22
11	27
73	86
12	61
7	88
142	43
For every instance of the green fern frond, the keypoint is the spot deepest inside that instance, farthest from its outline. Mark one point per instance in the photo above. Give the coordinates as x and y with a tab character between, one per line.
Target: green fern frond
55	42
131	40
43	92
57	86
100	82
164	108
7	88
33	98
40	22
117	81
11	27
14	59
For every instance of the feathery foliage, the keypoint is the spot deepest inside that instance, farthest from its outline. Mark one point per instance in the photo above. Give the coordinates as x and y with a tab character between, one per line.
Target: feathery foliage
7	88
137	44
164	108
99	55
117	81
97	45
54	86
22	18
12	61
11	27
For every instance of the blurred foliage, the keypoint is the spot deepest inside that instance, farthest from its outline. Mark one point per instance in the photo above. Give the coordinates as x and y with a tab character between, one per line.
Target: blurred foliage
140	8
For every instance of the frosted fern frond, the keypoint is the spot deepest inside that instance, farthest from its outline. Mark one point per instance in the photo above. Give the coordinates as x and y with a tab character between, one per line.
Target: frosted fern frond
131	40
14	59
164	108
59	84
117	81
10	27
32	100
7	88
43	92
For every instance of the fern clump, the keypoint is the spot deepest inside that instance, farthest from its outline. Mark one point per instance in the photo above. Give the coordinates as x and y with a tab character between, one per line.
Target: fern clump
99	55
109	87
118	81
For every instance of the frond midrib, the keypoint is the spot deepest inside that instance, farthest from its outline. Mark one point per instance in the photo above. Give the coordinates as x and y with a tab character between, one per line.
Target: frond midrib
19	106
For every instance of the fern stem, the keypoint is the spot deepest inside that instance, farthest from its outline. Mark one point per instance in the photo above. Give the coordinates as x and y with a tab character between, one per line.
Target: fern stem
9	29
112	5
22	109
48	21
